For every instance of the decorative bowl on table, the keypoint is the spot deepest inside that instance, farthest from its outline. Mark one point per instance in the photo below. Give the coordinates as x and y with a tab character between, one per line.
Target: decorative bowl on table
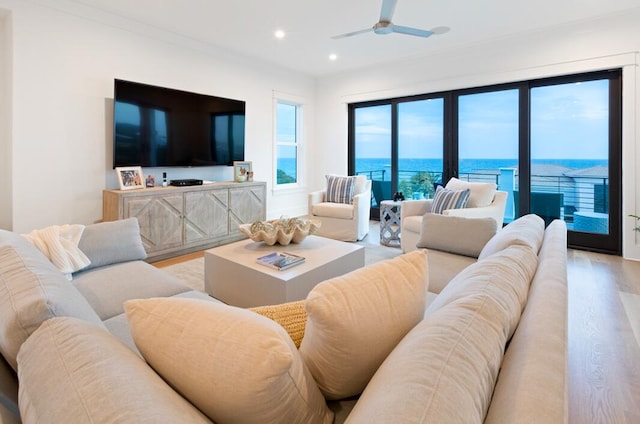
282	231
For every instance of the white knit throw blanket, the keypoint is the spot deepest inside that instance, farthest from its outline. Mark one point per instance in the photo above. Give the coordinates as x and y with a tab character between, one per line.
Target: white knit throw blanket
59	243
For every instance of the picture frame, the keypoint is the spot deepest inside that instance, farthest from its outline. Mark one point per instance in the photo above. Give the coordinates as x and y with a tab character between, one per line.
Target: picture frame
241	170
130	177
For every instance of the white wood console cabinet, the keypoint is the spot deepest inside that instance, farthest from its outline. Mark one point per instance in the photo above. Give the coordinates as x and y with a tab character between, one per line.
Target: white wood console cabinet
178	220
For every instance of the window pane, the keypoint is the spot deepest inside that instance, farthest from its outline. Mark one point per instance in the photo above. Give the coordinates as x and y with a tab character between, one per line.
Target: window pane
373	149
287	165
420	147
488	141
286	144
570	154
286	123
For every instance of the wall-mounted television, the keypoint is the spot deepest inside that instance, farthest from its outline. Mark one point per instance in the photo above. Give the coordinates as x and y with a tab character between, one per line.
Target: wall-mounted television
162	127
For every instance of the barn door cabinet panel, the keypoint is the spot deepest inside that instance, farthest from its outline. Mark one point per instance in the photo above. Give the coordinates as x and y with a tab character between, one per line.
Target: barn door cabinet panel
178	220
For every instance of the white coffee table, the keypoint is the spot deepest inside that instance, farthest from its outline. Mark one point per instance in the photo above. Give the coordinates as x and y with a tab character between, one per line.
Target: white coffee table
232	275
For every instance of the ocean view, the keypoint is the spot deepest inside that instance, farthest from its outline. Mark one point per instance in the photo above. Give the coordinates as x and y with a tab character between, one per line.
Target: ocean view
435	165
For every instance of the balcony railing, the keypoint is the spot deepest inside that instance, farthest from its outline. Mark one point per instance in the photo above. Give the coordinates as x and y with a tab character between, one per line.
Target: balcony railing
577	194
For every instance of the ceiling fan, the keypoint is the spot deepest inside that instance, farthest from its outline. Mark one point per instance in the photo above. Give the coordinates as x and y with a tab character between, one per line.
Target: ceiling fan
385	26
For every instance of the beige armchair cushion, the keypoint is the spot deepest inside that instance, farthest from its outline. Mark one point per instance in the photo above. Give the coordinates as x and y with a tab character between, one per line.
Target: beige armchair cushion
481	193
333	210
233	364
355	320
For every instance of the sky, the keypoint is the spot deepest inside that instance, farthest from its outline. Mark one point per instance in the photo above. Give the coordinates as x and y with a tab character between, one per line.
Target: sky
568	121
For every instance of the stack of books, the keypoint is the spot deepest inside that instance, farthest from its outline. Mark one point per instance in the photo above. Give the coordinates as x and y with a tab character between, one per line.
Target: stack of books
280	260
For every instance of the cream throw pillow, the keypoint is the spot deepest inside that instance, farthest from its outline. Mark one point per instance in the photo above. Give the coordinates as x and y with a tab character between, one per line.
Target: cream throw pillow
233	364
481	195
355	320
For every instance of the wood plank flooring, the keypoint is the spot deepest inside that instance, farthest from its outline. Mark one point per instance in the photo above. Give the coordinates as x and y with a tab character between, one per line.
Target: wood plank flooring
604	352
604	336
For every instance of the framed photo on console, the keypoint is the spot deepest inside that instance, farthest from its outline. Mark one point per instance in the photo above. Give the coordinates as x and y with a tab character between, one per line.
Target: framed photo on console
241	171
130	177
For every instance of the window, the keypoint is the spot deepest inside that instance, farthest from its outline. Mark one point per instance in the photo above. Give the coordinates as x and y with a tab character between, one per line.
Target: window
553	144
287	142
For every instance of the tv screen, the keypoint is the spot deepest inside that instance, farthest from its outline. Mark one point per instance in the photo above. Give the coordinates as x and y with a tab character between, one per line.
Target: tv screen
161	127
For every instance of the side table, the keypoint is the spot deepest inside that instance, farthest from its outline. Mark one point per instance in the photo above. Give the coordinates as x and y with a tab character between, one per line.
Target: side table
390	223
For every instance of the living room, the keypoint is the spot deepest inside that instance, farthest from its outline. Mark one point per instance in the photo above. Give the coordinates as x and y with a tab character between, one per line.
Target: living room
59	63
59	59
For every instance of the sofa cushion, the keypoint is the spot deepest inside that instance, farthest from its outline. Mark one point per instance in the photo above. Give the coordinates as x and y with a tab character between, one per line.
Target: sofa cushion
536	359
445	266
108	287
112	242
291	316
455	234
445	368
445	199
412	223
340	189
233	364
32	290
74	372
333	210
527	230
481	195
355	320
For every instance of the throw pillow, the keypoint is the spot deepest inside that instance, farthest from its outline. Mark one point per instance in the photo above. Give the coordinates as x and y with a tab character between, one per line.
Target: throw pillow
482	194
112	242
449	199
32	290
291	316
340	189
231	363
456	234
355	320
71	371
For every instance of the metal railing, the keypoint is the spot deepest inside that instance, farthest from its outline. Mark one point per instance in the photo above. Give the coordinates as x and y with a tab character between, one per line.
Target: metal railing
588	194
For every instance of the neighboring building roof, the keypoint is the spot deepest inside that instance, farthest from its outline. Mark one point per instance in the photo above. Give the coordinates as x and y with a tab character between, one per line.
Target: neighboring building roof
599	171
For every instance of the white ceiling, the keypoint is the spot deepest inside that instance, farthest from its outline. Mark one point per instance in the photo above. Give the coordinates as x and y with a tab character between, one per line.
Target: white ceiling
247	26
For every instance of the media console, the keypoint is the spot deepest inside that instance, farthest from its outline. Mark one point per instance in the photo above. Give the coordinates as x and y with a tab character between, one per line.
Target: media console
177	220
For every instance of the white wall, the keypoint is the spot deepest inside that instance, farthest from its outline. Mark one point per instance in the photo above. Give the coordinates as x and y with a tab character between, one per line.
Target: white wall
593	45
5	120
63	69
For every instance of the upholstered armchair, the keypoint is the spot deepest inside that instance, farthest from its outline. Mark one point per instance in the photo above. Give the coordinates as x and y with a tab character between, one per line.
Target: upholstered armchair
342	208
484	202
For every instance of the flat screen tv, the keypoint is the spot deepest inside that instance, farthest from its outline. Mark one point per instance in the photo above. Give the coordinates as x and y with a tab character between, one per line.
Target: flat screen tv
162	127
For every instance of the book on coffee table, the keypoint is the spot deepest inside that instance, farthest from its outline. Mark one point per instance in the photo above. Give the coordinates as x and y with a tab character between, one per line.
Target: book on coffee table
280	260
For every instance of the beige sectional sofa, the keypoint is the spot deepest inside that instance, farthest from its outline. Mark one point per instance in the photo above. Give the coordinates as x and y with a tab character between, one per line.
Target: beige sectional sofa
489	345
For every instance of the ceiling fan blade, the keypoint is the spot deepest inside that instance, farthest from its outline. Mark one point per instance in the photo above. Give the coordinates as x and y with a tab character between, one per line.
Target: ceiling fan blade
412	31
387	9
350	34
440	30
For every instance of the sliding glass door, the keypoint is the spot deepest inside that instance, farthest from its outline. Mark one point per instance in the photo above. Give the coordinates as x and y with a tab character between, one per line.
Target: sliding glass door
572	126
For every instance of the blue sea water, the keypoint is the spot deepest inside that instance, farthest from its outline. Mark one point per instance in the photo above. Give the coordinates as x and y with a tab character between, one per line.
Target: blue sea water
435	165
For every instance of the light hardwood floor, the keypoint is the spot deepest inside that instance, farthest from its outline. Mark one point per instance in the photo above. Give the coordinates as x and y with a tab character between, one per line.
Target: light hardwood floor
604	335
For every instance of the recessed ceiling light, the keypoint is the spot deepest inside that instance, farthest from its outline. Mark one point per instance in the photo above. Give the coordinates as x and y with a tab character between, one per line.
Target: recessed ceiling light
333	56
279	33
